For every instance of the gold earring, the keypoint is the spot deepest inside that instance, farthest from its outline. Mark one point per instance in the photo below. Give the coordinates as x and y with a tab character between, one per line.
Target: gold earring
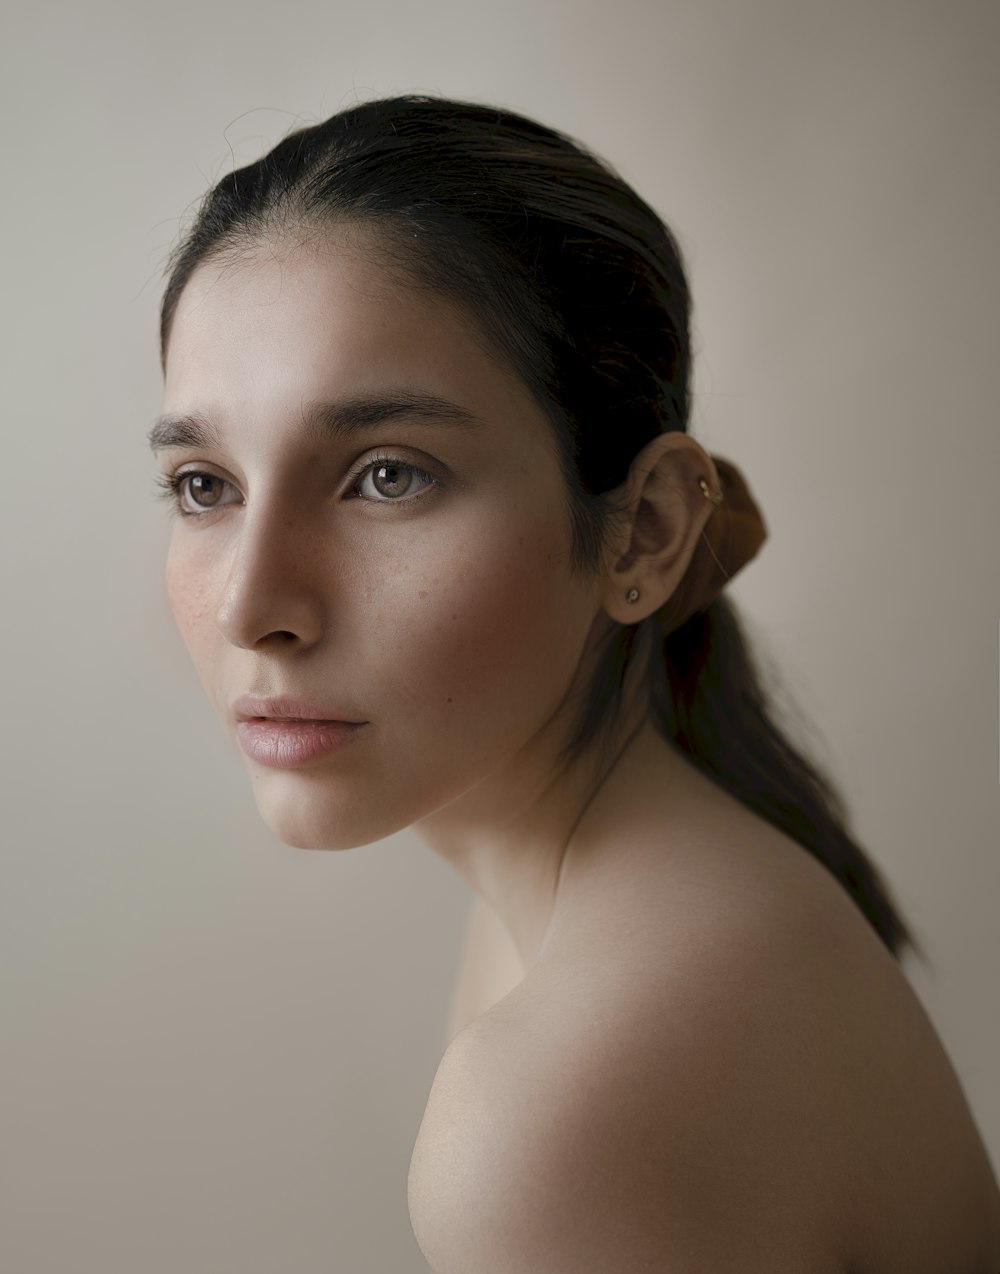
708	493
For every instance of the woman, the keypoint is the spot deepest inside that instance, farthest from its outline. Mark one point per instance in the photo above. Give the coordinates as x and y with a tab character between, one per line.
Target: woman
447	558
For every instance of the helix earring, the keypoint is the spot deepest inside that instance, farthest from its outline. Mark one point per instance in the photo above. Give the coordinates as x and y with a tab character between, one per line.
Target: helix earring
708	493
632	595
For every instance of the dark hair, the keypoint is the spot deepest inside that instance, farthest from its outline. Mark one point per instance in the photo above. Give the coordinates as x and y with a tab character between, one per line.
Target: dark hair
581	287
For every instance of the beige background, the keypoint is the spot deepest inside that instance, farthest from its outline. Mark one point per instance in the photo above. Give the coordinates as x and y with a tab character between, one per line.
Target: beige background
217	1049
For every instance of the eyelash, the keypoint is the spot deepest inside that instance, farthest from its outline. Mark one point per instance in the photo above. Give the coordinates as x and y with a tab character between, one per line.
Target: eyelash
169	486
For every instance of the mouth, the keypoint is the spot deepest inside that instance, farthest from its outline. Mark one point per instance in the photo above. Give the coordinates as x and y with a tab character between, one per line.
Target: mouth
290	710
327	720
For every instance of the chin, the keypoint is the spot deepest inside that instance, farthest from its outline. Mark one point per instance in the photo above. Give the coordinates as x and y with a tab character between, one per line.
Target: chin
304	823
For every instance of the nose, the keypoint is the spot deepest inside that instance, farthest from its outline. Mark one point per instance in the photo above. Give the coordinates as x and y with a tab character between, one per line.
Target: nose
272	593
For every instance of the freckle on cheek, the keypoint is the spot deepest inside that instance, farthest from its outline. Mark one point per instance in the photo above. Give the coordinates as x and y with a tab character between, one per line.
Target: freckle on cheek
189	602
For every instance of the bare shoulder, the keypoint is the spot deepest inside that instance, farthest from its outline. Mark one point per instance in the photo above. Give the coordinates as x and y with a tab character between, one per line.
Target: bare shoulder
603	1117
555	1143
757	1079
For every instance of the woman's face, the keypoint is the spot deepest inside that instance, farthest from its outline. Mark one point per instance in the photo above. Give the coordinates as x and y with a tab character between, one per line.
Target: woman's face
399	558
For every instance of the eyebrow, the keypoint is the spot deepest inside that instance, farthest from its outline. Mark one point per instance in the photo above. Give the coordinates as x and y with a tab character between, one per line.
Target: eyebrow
323	421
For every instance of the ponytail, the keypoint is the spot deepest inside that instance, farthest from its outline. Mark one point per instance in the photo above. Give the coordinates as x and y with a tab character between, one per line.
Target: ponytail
709	701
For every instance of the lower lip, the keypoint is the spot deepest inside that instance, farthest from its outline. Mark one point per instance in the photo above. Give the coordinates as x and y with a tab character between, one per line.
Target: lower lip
286	745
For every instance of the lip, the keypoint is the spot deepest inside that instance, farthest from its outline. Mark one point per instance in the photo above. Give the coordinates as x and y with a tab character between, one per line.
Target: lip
286	732
250	708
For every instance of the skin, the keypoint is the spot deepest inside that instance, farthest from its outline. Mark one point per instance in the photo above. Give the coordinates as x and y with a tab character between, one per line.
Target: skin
449	618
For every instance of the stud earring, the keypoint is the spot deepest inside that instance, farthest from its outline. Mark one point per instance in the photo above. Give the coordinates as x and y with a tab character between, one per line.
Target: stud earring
632	595
708	493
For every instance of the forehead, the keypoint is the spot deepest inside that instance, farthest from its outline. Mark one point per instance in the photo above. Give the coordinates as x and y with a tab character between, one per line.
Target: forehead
323	309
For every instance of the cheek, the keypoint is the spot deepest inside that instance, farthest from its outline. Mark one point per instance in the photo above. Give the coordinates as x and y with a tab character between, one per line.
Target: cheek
189	592
502	623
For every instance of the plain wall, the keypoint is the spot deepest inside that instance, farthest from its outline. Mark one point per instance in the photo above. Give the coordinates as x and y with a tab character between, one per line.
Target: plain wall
216	1048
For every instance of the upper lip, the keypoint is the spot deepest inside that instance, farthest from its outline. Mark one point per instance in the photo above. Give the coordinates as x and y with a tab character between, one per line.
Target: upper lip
250	708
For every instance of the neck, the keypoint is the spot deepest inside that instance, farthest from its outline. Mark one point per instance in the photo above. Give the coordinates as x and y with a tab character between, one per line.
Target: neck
509	836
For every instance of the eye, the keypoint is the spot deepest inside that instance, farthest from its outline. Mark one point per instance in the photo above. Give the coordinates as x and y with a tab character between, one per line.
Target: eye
387	480
194	492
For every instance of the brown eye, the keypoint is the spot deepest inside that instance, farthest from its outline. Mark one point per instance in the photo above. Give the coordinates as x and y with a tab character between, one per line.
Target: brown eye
387	480
204	489
392	479
194	492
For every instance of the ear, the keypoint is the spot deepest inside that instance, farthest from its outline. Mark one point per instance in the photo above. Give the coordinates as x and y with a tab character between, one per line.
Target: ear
665	513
